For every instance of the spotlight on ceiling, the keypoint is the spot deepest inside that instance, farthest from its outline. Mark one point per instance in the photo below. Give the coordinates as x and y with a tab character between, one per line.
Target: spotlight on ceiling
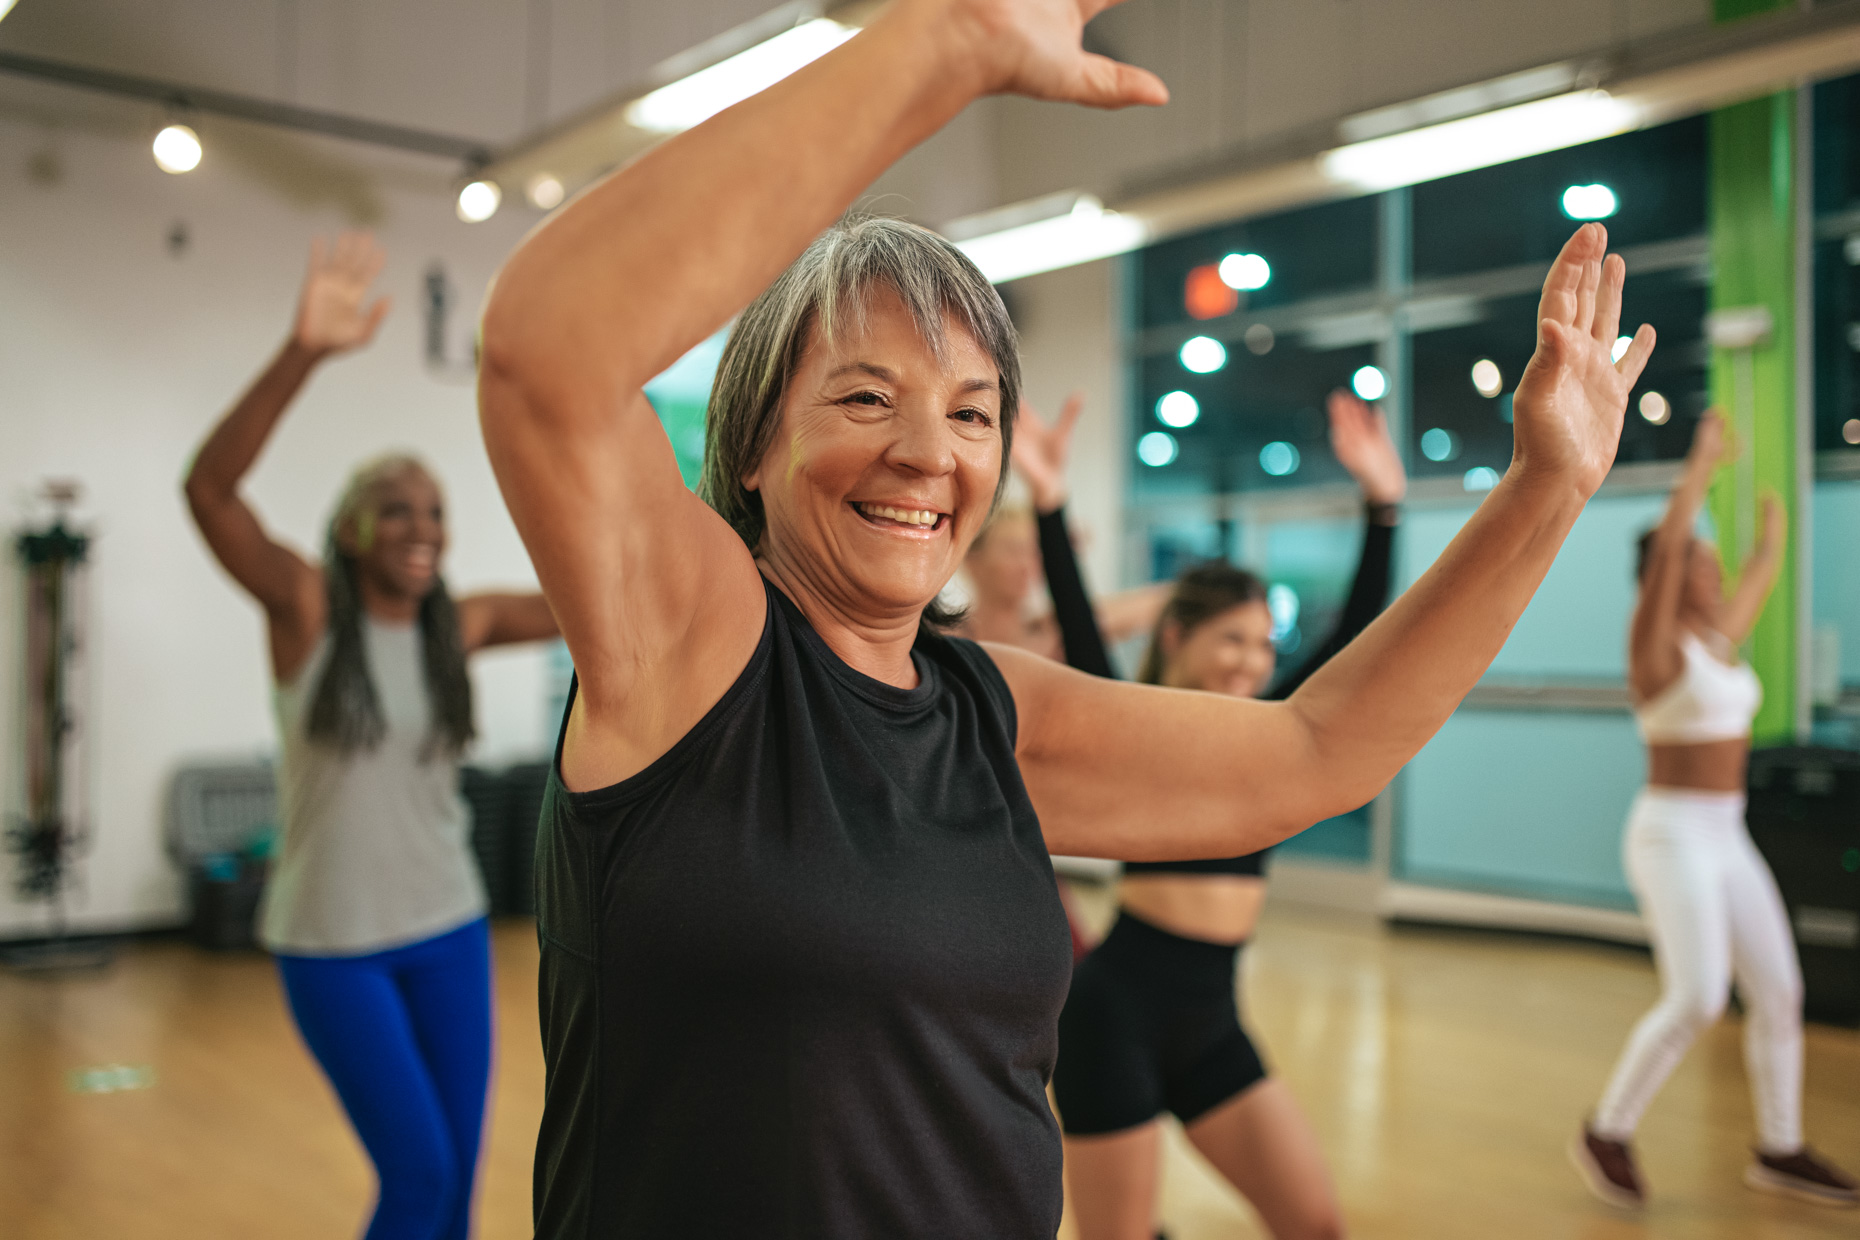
1157	448
177	149
1178	409
478	201
1202	354
1486	377
1370	383
1245	272
544	192
1589	202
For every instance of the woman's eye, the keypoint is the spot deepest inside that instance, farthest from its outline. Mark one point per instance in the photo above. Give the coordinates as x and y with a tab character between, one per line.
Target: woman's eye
973	416
865	398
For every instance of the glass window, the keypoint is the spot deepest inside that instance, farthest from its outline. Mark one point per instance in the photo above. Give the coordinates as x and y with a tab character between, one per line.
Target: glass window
1311	252
1837	266
1514	213
1256	423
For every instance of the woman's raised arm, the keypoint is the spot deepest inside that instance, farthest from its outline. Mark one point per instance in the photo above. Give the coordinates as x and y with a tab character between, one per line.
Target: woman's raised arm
1757	576
1143	773
334	315
1653	635
657	598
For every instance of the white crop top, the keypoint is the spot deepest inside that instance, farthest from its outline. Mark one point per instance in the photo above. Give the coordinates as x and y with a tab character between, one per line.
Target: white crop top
1711	701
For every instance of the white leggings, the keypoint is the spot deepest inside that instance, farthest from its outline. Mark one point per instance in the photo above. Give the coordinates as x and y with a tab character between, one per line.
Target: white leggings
1714	913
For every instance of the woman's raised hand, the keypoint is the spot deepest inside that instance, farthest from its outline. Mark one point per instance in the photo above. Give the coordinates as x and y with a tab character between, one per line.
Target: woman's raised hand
1359	435
1569	404
333	312
1033	47
1712	442
1040	451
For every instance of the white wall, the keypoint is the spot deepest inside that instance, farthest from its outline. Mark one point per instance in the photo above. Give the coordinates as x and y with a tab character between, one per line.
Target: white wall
118	357
1070	342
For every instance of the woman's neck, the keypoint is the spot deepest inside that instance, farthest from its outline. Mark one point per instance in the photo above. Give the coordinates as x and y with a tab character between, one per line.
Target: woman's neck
387	606
876	646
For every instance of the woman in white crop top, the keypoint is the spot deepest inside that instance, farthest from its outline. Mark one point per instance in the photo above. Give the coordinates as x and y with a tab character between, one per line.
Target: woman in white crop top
374	907
1711	905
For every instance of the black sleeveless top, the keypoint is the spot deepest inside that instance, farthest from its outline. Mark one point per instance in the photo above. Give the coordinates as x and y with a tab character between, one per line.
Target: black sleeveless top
1085	648
801	976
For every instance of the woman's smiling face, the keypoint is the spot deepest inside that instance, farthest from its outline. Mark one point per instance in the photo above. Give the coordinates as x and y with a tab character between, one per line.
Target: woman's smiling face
885	463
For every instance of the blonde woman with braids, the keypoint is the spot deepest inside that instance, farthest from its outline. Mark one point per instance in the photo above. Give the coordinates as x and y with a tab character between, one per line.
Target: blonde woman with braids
375	910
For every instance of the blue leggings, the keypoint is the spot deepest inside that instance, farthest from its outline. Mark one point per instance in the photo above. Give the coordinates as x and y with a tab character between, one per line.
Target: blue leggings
405	1037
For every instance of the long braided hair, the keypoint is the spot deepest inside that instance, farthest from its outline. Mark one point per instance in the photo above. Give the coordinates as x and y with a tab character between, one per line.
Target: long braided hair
345	711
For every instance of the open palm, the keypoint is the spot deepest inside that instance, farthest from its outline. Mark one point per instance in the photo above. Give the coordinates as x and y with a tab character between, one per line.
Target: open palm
333	312
1568	408
1040	450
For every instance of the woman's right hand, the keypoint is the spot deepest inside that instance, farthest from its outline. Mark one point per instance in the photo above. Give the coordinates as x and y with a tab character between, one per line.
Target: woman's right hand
1359	435
333	311
1712	443
1040	451
1033	48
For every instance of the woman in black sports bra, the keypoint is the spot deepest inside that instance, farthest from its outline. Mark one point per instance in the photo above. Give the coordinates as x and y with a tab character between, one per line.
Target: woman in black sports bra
1151	1023
802	951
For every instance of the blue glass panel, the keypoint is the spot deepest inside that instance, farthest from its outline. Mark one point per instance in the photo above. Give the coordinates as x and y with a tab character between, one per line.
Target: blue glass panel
1521	804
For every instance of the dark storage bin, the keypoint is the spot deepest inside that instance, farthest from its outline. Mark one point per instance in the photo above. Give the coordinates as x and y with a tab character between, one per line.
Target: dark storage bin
1805	818
486	798
505	806
225	893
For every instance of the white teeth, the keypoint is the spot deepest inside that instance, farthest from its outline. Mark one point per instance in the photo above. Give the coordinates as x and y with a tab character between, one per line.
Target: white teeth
904	516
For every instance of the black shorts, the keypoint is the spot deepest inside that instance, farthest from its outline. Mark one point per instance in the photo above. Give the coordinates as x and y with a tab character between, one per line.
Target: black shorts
1150	1025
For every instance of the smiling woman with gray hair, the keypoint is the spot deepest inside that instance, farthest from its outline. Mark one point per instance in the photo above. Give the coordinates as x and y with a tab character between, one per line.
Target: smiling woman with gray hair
802	949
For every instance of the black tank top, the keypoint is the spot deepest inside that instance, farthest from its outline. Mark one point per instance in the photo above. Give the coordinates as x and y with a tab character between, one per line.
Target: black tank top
801	976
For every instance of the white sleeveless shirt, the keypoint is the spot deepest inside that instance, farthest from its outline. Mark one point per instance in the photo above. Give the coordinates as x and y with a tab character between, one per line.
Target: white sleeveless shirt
373	850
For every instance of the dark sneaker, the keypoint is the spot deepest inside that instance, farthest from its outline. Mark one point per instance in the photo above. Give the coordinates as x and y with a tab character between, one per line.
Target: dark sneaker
1802	1175
1607	1167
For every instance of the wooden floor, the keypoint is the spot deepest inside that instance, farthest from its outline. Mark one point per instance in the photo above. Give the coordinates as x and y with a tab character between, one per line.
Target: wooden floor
1444	1071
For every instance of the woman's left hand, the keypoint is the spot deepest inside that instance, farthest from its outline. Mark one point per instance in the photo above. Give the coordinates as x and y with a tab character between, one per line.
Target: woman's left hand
1359	435
1569	404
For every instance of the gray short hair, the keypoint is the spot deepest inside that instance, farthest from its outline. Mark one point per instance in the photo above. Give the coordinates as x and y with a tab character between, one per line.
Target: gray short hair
827	289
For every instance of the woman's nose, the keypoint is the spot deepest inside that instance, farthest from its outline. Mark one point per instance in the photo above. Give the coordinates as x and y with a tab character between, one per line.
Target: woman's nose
923	445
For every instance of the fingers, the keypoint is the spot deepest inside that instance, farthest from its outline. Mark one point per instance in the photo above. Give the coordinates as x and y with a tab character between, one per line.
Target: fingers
1635	359
376	313
1586	295
1107	83
1608	300
1563	286
1069	413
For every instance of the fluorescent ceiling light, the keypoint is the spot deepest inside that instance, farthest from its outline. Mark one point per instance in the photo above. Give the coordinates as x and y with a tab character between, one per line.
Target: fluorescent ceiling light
694	99
1085	232
1461	101
1480	141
